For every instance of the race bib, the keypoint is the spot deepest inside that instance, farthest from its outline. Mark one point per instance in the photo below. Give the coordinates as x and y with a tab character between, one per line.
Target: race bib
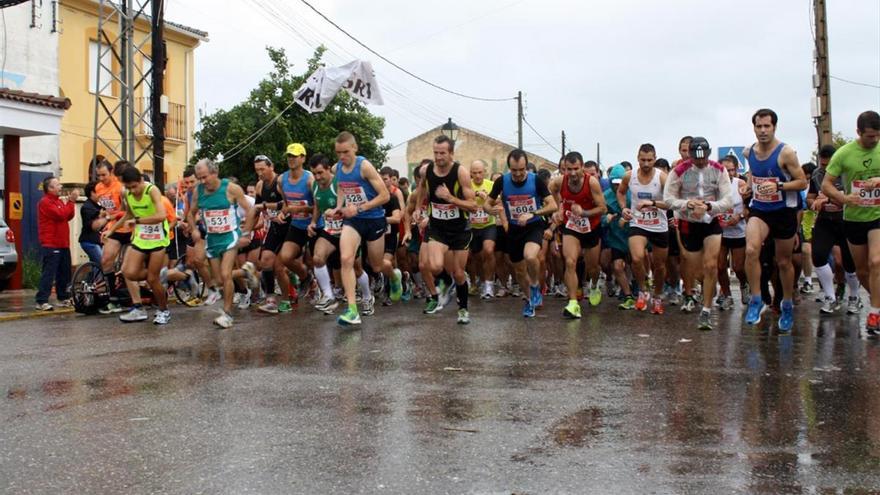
766	198
867	197
151	232
219	221
648	217
479	217
333	226
519	206
354	194
107	203
445	211
303	215
578	224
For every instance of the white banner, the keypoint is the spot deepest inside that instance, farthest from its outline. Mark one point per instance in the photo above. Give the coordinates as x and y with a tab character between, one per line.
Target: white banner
355	77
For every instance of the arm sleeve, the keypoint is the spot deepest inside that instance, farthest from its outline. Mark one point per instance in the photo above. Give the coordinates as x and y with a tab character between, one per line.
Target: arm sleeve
497	186
672	191
835	166
55	214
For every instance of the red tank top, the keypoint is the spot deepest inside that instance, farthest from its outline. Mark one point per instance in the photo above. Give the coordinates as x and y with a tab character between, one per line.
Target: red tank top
584	198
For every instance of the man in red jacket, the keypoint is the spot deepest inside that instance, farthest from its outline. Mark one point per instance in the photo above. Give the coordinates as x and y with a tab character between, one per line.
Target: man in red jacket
53	215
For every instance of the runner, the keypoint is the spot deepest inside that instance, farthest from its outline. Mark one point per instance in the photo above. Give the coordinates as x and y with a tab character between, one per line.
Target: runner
733	239
363	194
618	239
393	217
858	164
583	205
697	190
447	186
216	199
109	192
296	186
145	213
526	200
484	230
327	244
776	180
648	224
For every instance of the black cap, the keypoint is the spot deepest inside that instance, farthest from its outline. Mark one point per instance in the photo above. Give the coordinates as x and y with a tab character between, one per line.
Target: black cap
699	148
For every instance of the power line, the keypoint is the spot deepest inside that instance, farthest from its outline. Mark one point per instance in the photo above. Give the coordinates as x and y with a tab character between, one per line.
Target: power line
855	82
540	136
374	52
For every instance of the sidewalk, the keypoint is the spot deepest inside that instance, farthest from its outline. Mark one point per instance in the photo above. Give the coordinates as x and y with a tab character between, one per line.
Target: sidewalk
20	304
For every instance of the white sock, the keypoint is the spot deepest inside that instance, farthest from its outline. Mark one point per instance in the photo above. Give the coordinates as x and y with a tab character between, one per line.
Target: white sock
826	279
323	276
364	282
852	281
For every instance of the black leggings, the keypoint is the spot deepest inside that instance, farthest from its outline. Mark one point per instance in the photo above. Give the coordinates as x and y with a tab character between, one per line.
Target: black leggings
827	234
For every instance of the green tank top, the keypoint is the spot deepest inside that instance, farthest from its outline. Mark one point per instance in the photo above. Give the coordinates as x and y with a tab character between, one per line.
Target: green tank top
326	199
217	211
147	236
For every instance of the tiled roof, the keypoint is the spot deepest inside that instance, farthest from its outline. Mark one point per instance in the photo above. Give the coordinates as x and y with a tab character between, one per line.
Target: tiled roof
197	32
35	99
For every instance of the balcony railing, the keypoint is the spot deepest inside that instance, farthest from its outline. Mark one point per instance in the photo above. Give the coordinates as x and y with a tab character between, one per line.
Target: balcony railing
175	120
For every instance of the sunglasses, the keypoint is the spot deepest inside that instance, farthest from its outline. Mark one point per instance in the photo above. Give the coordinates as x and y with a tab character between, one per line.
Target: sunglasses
262	158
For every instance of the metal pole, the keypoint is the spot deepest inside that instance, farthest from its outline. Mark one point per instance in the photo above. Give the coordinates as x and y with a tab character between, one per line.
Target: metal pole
158	118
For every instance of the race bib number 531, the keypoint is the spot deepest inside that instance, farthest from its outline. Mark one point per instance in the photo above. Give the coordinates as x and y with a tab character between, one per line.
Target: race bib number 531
219	221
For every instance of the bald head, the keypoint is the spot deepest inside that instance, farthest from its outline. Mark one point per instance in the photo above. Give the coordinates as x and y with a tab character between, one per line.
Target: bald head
478	171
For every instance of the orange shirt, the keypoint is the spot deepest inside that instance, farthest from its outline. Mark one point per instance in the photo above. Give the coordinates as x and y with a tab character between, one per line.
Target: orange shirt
170	215
110	199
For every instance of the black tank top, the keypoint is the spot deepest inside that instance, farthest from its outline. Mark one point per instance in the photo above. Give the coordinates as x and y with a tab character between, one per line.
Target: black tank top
270	194
450	218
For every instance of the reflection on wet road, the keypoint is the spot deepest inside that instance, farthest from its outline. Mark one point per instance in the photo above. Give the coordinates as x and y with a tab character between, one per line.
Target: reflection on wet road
615	403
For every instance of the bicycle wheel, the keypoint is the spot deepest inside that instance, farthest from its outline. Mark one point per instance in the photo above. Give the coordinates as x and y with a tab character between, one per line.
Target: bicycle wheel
190	297
89	288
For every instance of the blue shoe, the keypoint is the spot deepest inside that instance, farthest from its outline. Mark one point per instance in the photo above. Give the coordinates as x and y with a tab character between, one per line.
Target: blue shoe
536	298
753	314
528	309
786	318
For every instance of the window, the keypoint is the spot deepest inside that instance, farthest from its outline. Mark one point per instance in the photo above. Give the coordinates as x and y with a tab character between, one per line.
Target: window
106	64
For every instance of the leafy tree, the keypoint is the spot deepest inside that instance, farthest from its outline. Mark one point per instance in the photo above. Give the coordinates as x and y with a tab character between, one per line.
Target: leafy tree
837	140
225	129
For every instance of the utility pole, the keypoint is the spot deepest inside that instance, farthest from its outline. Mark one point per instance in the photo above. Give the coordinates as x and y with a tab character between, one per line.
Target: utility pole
519	119
563	143
157	112
598	156
821	79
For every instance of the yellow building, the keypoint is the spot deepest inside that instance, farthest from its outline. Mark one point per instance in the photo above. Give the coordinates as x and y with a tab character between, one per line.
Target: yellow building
77	70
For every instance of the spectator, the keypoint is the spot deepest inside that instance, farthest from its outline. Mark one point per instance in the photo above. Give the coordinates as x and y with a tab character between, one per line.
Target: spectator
94	218
53	215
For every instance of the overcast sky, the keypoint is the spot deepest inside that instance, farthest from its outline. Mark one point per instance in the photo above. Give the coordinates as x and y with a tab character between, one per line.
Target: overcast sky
619	73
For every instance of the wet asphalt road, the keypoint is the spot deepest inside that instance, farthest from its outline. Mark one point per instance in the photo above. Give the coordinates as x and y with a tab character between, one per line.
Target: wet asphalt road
616	403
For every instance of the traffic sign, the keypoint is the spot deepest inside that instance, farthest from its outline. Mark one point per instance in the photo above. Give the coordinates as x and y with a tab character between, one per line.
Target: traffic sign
736	151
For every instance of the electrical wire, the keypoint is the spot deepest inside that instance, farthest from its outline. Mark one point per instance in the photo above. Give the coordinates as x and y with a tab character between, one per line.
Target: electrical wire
855	82
554	148
374	52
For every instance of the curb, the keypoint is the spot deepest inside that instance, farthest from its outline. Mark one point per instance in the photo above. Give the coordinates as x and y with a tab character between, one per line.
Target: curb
35	314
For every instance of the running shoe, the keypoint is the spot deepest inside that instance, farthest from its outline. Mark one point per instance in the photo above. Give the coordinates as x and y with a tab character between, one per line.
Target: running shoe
515	290
705	321
657	306
807	287
396	287
537	298
727	303
689	305
369	306
872	325
753	313
349	317
223	321
642	301
744	293
572	310
244	301
136	314
675	298
212	298
162	317
110	308
487	291
829	305
46	307
463	317
431	306
528	309
407	294
250	275
853	305
501	291
284	306
270	306
628	303
786	317
445	296
595	296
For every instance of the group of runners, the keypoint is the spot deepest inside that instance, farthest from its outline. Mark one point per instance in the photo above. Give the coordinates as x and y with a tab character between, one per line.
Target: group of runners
340	232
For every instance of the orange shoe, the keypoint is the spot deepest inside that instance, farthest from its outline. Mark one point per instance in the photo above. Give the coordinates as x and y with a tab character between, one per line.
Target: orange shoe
642	301
657	306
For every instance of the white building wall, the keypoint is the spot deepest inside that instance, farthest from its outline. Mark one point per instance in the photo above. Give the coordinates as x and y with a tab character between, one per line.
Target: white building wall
31	64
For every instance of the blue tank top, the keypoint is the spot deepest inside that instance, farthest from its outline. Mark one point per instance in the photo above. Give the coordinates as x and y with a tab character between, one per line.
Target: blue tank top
299	194
521	199
768	170
356	190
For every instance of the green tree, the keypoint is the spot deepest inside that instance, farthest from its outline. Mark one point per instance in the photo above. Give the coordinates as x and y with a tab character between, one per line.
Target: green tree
225	129
837	140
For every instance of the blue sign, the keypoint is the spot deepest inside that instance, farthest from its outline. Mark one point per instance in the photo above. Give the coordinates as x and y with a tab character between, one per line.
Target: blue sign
736	151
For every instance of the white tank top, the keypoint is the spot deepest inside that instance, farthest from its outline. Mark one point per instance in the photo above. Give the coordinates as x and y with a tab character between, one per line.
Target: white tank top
652	219
737	231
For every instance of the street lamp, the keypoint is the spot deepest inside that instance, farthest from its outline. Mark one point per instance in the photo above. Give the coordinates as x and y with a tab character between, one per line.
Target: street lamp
450	130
